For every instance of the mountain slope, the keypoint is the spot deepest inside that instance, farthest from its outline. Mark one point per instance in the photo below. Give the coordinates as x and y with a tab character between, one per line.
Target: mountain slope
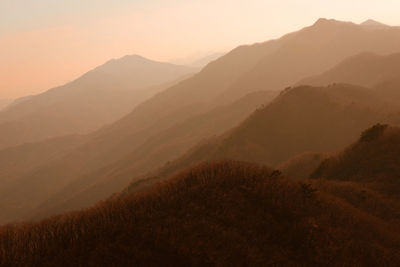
318	119
97	98
213	214
18	161
373	160
313	50
156	151
366	69
302	119
202	62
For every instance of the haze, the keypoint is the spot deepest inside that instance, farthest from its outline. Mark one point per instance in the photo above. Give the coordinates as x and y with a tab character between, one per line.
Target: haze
46	43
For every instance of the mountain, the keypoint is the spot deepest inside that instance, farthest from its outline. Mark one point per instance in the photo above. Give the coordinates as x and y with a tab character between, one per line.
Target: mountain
213	214
18	161
156	151
373	24
204	61
372	160
270	66
108	146
365	69
314	50
97	98
302	119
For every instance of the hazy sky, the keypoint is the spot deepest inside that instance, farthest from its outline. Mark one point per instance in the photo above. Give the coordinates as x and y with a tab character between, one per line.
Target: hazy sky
45	43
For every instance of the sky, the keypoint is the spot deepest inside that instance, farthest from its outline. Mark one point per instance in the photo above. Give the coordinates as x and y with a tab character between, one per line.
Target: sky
46	43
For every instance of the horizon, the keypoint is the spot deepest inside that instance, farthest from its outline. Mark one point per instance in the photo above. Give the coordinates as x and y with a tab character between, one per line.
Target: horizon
55	43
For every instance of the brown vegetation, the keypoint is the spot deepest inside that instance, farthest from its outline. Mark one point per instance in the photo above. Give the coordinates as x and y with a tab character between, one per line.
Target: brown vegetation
226	213
374	161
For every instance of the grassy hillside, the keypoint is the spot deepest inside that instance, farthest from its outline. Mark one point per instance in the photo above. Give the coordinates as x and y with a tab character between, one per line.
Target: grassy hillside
373	160
226	213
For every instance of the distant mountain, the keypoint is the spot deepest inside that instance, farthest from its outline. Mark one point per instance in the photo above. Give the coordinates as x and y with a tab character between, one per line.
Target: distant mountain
198	60
97	98
18	161
156	151
202	62
373	24
373	161
365	69
220	213
314	50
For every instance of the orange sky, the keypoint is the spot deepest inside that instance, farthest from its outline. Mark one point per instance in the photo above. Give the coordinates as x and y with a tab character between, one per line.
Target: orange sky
45	43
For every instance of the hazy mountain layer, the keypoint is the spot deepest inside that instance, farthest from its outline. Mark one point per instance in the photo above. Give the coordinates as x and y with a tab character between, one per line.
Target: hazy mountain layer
99	97
156	151
302	119
366	69
313	50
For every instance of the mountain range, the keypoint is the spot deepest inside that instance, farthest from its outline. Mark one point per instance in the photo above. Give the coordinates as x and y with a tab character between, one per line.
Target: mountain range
281	153
236	107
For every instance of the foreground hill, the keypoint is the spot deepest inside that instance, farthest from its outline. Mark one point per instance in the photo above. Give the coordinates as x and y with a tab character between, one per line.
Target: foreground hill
373	161
99	97
214	214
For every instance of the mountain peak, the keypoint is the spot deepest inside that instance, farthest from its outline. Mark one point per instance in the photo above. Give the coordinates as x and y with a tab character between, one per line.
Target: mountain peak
325	22
373	23
322	21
